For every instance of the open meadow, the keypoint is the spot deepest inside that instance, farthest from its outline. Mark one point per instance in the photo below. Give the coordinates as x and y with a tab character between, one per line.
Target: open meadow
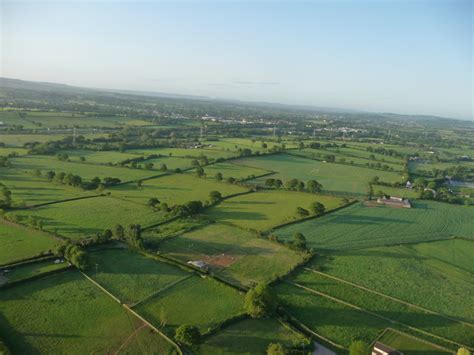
359	226
267	209
18	242
63	313
84	218
131	276
174	189
338	178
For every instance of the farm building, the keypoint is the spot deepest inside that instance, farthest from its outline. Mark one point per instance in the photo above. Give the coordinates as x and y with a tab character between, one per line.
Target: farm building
198	263
382	349
394	202
409	185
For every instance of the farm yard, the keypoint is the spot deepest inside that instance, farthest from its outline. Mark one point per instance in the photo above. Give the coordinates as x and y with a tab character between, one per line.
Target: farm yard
232	253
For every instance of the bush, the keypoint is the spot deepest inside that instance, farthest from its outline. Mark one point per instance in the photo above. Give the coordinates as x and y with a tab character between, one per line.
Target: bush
188	334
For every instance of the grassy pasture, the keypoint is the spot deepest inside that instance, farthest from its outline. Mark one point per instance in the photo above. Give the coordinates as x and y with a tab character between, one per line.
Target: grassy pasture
266	209
388	308
204	303
18	242
146	341
18	140
28	190
130	276
231	170
328	318
98	157
63	314
430	275
232	253
410	345
86	171
171	163
428	166
26	271
398	192
357	160
155	235
359	226
187	153
338	178
4	151
354	151
250	336
174	189
81	218
234	144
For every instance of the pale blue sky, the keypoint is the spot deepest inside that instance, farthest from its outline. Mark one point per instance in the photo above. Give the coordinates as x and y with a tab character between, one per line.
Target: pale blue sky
398	56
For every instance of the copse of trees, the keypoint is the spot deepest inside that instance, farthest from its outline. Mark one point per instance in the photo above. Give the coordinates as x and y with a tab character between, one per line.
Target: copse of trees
215	196
299	241
312	186
74	254
188	334
259	301
5	197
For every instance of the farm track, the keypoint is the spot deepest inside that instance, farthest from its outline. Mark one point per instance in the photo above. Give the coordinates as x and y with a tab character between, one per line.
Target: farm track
391	321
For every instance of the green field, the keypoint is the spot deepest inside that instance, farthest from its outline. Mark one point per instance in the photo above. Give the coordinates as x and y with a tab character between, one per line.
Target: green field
410	345
99	157
28	190
232	170
174	189
189	153
433	275
174	228
232	253
18	242
335	321
63	314
338	178
86	171
267	209
250	336
359	226
397	192
4	151
204	303
18	140
171	163
130	276
388	308
26	271
82	218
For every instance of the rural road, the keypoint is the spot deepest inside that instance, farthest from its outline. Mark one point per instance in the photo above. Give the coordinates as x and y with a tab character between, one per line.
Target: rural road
322	350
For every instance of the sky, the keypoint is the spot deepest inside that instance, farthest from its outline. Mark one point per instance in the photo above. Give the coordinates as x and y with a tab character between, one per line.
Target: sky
403	56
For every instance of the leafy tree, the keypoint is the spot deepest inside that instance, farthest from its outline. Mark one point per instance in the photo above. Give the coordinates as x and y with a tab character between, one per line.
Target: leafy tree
5	197
219	176
358	347
299	241
276	349
200	172
153	202
215	196
301	212
463	351
318	208
259	301
163	167
134	236
314	186
188	334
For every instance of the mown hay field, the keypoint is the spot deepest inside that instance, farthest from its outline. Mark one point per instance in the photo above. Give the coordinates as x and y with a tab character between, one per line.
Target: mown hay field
174	189
338	178
359	226
250	336
83	218
432	275
18	242
204	303
267	209
232	253
64	314
131	276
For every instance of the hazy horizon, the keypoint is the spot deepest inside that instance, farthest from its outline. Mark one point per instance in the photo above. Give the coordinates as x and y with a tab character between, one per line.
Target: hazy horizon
411	57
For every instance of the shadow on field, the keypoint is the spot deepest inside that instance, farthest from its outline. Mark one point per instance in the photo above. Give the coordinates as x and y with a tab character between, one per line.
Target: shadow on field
15	340
233	214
